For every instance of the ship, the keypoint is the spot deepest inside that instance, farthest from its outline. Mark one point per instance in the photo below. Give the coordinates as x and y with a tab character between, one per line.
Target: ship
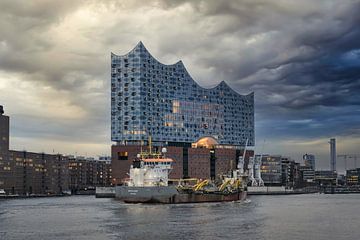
149	182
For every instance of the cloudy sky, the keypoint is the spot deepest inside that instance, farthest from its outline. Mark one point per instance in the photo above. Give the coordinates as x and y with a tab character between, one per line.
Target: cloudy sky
301	58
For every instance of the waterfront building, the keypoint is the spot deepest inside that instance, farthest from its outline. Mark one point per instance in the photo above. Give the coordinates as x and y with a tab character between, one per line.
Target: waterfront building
271	170
341	180
26	173
277	170
325	177
308	175
309	161
353	176
5	164
38	173
149	98
88	173
290	170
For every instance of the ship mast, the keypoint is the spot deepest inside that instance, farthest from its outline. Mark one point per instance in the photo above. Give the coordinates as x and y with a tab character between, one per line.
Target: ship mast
149	144
245	148
141	143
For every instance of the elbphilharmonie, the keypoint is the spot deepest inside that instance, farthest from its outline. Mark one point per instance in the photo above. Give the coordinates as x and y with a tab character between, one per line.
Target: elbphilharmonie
149	98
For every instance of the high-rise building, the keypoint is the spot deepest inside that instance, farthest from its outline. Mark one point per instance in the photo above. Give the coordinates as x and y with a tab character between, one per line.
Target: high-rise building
309	161
332	154
5	164
4	131
149	98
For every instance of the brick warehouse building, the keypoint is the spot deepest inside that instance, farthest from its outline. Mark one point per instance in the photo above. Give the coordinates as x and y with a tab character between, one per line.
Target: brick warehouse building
204	130
88	173
26	173
5	165
38	173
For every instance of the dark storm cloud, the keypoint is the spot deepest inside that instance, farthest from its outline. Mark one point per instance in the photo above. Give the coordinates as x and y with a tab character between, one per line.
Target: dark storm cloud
309	60
301	58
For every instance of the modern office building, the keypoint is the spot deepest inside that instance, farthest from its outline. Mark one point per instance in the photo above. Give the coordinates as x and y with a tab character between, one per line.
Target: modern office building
353	176
308	175
271	170
149	98
291	176
325	177
277	170
309	161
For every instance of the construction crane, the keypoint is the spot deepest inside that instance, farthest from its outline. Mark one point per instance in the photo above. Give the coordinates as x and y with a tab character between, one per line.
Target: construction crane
355	156
348	156
345	159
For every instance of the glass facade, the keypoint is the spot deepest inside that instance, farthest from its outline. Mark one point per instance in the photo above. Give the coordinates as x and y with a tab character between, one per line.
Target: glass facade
151	98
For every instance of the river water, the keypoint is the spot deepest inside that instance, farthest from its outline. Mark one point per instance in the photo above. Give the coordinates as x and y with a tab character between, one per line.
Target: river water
314	216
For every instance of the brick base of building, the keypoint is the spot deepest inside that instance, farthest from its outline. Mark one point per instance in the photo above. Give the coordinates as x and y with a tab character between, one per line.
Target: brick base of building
201	163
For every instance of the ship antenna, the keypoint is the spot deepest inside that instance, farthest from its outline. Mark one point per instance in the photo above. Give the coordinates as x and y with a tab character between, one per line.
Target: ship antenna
150	144
141	143
245	148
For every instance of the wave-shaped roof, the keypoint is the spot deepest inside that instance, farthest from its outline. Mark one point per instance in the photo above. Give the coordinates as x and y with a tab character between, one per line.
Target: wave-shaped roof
180	64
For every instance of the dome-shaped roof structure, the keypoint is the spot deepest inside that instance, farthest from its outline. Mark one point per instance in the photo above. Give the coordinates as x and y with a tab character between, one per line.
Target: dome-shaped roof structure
205	142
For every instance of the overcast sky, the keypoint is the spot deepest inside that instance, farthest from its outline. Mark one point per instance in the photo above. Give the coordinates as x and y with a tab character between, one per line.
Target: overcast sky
301	58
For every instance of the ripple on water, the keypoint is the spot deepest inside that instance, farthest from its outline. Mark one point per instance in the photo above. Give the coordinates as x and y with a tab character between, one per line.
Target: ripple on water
261	217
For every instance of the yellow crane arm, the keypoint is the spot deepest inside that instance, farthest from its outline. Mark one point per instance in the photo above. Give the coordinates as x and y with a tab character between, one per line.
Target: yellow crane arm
237	183
200	185
224	184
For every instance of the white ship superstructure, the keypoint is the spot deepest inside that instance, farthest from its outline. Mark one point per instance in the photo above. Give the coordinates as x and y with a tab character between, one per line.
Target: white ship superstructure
150	172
